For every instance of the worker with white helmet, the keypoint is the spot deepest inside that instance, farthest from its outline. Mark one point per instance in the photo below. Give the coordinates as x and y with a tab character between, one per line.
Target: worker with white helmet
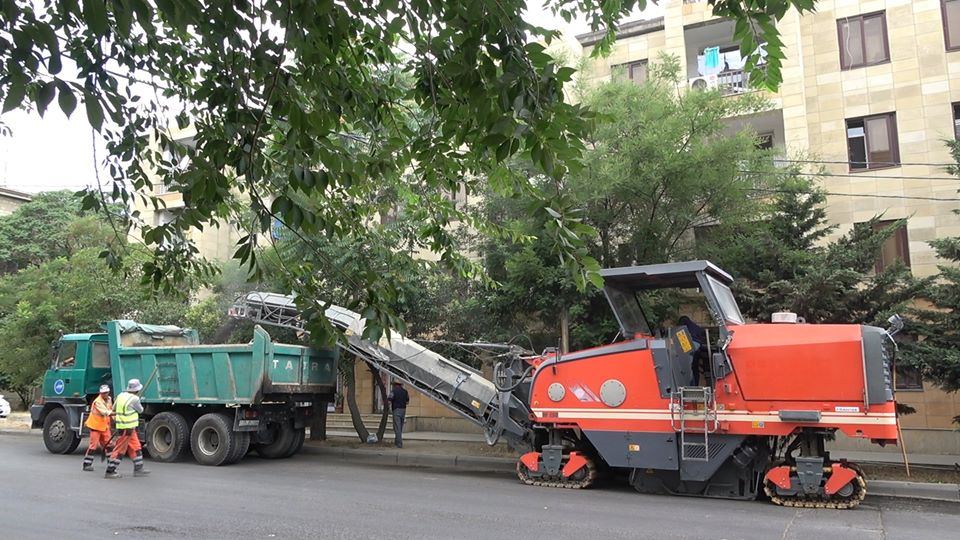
99	424
128	409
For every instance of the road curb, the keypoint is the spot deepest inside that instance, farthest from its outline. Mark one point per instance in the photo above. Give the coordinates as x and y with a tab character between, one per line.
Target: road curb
914	490
20	432
414	459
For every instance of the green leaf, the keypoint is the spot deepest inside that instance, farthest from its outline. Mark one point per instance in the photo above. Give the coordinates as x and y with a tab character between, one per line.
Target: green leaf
95	16
45	95
94	111
15	93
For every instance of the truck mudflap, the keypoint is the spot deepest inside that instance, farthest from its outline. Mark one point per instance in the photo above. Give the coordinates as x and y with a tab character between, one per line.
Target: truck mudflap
36	416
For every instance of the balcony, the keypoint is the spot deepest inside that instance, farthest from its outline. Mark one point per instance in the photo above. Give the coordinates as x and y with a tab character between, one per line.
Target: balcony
730	82
713	59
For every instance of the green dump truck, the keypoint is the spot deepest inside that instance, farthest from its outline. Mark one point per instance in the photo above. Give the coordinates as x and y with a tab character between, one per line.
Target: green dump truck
218	401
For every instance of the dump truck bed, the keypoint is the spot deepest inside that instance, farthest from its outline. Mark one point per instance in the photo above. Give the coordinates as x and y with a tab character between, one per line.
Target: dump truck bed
174	368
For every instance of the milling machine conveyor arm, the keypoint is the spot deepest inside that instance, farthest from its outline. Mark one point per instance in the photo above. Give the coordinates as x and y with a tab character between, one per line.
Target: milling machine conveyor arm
453	384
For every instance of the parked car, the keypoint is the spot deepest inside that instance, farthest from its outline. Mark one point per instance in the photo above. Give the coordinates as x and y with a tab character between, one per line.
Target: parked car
4	407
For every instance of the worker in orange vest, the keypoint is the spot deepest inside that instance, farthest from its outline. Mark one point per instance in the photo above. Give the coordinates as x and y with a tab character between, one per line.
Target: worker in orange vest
99	423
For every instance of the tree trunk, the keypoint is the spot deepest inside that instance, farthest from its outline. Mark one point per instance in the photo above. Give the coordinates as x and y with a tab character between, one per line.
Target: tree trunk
350	395
564	330
382	428
24	393
318	424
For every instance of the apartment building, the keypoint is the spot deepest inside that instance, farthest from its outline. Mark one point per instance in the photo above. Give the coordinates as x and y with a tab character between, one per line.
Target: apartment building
870	91
11	199
215	243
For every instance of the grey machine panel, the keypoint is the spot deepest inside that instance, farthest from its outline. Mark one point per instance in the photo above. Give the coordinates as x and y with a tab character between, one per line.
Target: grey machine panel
662	366
721	448
671	364
876	365
636	450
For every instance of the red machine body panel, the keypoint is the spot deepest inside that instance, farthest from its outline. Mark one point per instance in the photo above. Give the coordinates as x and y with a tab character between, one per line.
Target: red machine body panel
767	381
798	362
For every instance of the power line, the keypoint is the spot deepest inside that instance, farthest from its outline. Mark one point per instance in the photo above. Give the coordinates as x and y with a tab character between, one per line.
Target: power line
884	163
859	175
875	196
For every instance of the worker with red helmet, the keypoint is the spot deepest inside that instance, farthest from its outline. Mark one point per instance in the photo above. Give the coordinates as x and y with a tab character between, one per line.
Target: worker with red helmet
99	424
128	409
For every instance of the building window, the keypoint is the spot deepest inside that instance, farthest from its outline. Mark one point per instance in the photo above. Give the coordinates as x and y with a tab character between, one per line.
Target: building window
872	142
765	141
895	249
635	71
909	378
863	40
956	121
951	23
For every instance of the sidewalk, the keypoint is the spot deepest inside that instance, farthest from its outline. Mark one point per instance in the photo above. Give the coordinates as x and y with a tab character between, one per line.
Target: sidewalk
856	457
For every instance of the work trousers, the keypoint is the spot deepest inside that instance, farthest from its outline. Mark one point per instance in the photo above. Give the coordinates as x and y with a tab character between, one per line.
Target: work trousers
399	415
128	443
98	440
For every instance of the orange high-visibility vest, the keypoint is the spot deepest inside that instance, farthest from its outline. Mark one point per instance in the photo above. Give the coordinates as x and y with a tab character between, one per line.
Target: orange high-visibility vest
97	421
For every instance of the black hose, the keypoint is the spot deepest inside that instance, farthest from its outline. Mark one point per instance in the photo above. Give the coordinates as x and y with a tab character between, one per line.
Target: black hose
523	376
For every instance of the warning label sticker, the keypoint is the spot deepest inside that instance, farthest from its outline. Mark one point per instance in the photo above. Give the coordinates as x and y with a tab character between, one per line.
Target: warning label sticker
846	409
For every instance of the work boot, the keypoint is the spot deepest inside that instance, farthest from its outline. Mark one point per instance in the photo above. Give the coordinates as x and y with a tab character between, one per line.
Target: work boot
112	474
138	469
88	462
88	467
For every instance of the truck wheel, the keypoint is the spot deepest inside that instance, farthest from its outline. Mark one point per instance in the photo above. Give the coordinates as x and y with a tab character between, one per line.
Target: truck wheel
283	439
240	447
57	435
299	438
167	436
212	439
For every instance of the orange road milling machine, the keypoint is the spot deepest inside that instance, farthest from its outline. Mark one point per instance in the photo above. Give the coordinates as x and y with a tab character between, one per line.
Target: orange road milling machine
745	413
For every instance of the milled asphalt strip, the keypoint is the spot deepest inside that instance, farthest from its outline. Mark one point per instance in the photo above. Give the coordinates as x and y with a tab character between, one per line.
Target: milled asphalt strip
878	488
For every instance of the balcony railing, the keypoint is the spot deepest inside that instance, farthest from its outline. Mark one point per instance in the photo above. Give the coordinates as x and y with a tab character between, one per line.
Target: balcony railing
733	82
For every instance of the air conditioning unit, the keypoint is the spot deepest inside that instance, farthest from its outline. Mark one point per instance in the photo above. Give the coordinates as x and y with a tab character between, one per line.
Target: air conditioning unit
704	82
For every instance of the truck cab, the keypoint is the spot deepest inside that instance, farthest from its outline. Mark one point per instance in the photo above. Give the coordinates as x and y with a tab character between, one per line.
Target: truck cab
79	364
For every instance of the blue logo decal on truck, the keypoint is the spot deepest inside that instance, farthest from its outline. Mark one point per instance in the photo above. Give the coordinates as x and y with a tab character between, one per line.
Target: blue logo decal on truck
58	386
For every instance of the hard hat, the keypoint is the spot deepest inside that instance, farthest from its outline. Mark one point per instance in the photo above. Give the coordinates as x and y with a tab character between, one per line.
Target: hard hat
104	389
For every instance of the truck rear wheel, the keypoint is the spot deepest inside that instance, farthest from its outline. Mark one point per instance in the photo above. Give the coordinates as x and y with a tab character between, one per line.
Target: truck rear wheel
299	438
212	439
284	437
240	447
57	435
168	436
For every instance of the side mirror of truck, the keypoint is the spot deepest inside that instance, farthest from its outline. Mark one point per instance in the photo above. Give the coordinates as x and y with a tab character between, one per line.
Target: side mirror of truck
54	350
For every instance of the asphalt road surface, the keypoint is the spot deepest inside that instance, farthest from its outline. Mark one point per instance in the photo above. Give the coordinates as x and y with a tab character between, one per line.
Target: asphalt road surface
47	496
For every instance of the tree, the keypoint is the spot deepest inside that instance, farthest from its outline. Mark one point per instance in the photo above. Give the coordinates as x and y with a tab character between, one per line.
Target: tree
68	294
783	264
663	164
658	164
936	352
47	227
306	96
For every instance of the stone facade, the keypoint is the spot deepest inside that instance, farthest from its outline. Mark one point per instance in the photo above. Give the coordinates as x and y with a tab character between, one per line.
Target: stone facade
10	200
215	243
919	83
